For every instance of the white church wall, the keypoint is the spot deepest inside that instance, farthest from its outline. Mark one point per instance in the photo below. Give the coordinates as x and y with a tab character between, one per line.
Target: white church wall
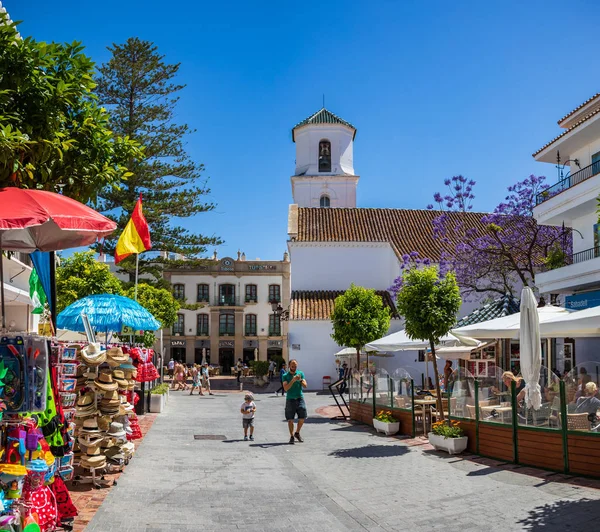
307	149
340	190
327	267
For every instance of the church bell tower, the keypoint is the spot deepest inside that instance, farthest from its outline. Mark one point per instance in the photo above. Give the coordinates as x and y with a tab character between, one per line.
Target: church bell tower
324	175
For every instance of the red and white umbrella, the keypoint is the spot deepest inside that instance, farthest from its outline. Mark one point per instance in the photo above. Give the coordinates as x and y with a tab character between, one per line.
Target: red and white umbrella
33	220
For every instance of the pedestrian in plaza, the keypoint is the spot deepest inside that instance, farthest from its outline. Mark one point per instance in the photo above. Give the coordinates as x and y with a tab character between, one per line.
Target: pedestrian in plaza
282	372
293	384
171	367
272	367
248	409
447	373
196	379
238	369
205	379
180	377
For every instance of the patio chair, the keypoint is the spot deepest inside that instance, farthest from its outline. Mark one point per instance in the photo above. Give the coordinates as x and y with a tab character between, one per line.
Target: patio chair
578	422
541	417
470	411
400	402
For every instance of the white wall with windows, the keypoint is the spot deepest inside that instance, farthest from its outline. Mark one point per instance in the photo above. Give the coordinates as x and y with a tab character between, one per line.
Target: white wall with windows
309	145
260	290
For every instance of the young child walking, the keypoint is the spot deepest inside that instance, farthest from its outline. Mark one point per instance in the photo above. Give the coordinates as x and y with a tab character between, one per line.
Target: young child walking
196	380
248	409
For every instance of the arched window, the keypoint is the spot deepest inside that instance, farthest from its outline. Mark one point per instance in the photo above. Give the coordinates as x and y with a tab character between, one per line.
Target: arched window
179	291
324	156
179	325
202	325
325	201
251	293
202	295
274	293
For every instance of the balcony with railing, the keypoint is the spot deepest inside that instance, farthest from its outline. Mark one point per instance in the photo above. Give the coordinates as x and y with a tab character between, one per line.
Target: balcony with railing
568	182
250	331
565	273
202	331
226	301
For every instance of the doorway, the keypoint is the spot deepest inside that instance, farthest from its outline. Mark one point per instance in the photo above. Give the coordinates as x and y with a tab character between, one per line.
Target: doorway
178	354
226	359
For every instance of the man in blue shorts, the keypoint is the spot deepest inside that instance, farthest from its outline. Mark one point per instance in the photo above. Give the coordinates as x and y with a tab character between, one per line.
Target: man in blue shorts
293	383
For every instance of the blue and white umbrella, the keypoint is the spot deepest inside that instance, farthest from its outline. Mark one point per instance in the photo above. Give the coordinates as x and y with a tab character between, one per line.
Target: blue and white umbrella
107	313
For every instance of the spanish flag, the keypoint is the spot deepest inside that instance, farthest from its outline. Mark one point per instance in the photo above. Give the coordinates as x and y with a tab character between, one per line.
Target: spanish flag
136	236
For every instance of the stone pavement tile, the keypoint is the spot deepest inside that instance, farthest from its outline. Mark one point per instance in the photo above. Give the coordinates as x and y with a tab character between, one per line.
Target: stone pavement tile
344	477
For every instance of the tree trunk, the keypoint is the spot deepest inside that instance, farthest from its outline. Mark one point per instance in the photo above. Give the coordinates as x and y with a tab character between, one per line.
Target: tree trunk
437	382
358	359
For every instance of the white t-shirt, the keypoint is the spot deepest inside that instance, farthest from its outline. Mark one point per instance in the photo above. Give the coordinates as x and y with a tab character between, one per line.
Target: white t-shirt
248	408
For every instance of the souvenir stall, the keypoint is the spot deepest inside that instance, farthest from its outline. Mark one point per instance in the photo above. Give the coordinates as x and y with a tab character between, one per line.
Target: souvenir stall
36	435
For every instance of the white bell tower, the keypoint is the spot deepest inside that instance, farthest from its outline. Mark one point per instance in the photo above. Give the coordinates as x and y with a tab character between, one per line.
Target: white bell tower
324	167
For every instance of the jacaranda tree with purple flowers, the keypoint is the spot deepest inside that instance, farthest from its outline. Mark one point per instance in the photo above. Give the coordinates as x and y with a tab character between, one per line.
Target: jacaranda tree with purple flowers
492	253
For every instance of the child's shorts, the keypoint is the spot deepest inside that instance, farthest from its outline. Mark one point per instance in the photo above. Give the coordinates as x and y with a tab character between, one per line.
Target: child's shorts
248	422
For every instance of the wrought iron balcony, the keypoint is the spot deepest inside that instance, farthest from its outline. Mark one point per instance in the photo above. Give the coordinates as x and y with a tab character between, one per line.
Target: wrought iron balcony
568	182
250	331
575	258
274	331
226	301
202	331
226	331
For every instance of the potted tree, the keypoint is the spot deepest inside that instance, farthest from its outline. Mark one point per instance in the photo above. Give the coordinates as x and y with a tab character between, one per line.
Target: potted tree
261	369
448	437
385	422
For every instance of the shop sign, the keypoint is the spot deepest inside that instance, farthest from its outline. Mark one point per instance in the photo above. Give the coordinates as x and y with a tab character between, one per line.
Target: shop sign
177	343
227	343
274	343
256	267
226	265
295	347
581	301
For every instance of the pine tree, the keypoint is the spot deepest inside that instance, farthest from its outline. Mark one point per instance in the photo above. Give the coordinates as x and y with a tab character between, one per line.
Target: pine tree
139	89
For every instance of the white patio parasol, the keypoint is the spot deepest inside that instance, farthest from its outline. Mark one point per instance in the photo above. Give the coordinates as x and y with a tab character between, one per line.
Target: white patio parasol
399	341
203	356
531	351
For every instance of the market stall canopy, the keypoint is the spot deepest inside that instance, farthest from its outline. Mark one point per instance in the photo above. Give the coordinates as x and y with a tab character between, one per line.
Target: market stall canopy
575	324
107	313
399	341
14	295
459	352
39	220
508	326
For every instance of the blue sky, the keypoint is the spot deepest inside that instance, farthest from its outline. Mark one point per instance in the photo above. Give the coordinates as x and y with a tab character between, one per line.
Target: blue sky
434	88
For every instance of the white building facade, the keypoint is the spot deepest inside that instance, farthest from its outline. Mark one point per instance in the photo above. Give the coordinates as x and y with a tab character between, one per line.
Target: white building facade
229	314
571	201
333	244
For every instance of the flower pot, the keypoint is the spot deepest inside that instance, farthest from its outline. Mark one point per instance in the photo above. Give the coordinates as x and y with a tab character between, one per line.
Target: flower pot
387	428
157	403
450	445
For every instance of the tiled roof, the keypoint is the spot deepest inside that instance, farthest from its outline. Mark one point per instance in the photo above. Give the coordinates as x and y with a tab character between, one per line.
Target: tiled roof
323	116
318	304
566	131
578	107
503	306
405	230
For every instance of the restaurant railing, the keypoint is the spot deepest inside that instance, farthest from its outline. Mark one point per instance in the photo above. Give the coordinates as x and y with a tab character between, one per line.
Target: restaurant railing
568	182
226	301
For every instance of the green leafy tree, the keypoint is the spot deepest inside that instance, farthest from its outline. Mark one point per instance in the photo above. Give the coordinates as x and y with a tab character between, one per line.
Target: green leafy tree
358	318
81	275
138	88
53	133
429	304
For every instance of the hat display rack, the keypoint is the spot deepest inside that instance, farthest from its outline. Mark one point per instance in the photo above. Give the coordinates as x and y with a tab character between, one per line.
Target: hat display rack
102	412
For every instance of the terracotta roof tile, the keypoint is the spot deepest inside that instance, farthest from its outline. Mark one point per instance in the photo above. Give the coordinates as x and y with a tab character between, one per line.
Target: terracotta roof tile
566	131
578	107
405	230
318	304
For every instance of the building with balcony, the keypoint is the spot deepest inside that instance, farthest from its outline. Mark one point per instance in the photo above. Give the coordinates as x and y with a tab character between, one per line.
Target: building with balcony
571	201
233	316
18	304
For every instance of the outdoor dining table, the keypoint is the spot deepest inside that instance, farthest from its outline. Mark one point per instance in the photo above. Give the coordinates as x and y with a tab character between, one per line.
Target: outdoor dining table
504	412
425	405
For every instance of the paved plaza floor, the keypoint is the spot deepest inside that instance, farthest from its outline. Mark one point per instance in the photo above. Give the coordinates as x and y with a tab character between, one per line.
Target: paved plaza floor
343	477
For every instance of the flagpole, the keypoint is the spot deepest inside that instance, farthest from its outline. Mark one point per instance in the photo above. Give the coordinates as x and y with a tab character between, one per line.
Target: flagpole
137	262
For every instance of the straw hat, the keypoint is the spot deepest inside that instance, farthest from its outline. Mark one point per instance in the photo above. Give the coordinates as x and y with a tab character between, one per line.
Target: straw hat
90	426
86	399
95	461
105	382
116	356
119	377
116	430
93	355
